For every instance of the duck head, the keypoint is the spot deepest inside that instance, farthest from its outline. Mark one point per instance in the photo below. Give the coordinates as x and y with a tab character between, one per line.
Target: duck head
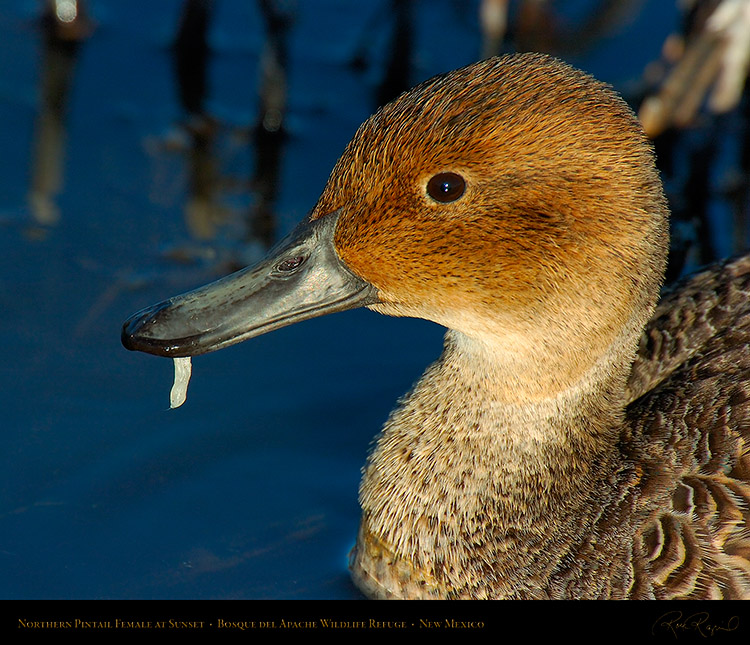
514	201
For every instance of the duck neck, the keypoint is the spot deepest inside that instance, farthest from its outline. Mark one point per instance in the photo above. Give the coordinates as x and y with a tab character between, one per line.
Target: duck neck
465	486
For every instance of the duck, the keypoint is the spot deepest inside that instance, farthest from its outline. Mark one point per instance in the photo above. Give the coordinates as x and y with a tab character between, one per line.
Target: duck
581	435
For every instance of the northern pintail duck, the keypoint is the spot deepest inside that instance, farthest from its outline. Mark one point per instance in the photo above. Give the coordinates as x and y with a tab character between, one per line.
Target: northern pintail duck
571	441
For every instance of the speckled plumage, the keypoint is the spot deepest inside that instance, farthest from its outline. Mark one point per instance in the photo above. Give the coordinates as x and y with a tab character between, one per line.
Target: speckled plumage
689	432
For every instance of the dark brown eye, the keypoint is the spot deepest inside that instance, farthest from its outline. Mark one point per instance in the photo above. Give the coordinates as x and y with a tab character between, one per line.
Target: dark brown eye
446	187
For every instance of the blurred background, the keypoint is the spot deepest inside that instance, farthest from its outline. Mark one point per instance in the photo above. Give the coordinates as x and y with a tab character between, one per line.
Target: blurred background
149	147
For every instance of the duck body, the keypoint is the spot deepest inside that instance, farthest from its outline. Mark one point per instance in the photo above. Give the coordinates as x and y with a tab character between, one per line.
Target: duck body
569	442
663	514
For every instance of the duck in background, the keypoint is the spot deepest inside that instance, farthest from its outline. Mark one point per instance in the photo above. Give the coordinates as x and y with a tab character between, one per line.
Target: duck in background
573	440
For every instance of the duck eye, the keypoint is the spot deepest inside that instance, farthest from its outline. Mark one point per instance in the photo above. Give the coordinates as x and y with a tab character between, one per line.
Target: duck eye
446	187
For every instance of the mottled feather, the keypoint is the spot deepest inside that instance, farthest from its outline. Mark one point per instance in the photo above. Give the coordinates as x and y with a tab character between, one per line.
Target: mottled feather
690	434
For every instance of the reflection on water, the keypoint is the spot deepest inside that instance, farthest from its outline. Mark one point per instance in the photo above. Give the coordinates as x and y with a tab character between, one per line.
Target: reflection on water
65	25
269	132
689	107
191	54
249	490
206	214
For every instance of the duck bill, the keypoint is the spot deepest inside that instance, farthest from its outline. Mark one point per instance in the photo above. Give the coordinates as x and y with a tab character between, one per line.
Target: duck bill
301	278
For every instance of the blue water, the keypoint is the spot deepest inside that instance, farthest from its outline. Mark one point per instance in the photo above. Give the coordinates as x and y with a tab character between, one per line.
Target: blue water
250	489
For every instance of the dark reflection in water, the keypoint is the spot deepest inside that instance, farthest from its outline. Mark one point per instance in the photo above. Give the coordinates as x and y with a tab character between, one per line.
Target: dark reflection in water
205	213
191	54
250	489
64	27
269	132
399	61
